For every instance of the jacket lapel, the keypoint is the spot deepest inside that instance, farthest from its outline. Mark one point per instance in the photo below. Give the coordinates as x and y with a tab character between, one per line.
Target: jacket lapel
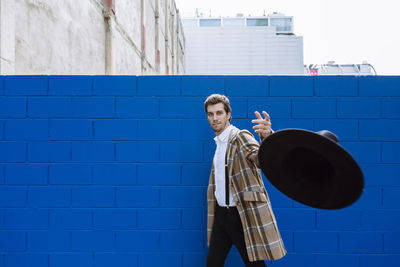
231	148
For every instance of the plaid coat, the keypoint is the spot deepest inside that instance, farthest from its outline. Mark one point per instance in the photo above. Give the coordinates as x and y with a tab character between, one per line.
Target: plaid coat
262	237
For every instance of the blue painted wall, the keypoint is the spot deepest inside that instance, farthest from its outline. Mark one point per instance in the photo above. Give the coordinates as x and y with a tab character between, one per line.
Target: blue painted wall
112	171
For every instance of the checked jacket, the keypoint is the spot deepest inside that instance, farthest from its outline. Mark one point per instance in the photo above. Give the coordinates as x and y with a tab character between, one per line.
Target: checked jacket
261	234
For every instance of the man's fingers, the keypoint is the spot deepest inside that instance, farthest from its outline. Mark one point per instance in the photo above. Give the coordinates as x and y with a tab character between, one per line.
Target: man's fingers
261	122
261	131
266	115
258	121
258	115
261	126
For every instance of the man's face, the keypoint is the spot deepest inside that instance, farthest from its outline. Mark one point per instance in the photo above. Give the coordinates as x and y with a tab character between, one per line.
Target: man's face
218	118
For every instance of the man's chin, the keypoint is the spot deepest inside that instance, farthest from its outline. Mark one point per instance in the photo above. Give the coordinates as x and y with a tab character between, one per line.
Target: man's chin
218	130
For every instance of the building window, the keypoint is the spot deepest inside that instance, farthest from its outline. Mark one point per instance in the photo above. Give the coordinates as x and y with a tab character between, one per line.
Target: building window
233	22
210	23
257	22
282	24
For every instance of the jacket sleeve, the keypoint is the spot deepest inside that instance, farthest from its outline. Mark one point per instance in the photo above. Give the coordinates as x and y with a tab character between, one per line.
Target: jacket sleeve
250	146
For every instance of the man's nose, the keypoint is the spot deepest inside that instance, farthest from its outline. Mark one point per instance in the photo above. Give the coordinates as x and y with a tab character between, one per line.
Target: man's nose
214	116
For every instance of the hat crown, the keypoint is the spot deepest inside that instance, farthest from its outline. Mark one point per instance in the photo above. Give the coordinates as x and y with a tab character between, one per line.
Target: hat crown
329	135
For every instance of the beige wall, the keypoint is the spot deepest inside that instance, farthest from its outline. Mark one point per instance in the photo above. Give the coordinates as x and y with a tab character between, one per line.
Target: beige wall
70	37
7	40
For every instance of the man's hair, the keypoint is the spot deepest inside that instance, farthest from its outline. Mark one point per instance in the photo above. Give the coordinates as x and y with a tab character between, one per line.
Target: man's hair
217	98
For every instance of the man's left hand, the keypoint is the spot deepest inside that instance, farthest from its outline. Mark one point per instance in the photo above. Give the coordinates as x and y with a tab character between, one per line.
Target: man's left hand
263	125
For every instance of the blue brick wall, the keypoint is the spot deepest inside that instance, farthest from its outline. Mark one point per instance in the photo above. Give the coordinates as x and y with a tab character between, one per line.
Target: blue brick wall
102	171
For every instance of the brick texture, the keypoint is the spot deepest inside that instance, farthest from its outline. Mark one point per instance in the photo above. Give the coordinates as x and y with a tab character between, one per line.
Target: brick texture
113	170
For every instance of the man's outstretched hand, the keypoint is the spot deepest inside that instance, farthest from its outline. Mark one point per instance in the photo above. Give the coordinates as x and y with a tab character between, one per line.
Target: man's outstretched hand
263	125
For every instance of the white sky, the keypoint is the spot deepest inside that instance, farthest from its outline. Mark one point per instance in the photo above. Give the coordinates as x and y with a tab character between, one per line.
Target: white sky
345	31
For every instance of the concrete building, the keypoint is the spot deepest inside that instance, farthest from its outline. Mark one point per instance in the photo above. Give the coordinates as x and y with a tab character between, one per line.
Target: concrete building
243	45
91	37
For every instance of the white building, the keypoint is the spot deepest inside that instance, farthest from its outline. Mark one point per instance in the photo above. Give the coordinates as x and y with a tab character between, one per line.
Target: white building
243	45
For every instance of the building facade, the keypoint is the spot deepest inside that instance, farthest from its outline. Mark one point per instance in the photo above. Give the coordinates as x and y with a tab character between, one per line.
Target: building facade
93	37
243	45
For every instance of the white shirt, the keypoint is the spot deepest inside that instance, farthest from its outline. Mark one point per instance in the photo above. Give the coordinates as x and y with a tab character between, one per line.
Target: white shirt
219	167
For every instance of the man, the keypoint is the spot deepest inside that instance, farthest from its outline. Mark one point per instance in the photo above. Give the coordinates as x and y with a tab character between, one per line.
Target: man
239	211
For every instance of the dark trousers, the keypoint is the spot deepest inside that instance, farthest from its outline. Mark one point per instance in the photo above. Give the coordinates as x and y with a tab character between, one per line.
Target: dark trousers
227	231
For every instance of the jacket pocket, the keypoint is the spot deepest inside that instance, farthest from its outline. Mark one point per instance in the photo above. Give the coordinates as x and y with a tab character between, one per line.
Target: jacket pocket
254	196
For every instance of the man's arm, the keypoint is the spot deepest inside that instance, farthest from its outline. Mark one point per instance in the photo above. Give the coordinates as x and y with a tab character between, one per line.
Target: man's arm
250	146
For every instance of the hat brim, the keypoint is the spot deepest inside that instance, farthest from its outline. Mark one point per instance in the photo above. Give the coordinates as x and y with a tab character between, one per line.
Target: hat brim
311	169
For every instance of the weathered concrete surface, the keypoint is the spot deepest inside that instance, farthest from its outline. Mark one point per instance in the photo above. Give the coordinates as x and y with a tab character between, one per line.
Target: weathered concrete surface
59	37
69	37
7	40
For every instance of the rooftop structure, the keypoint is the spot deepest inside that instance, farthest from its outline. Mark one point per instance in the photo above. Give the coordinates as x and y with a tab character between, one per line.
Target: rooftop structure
332	68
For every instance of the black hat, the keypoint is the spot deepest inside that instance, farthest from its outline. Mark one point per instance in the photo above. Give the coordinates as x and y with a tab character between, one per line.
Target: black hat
311	168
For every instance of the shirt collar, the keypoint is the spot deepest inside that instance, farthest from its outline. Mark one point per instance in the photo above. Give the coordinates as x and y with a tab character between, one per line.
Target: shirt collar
223	137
